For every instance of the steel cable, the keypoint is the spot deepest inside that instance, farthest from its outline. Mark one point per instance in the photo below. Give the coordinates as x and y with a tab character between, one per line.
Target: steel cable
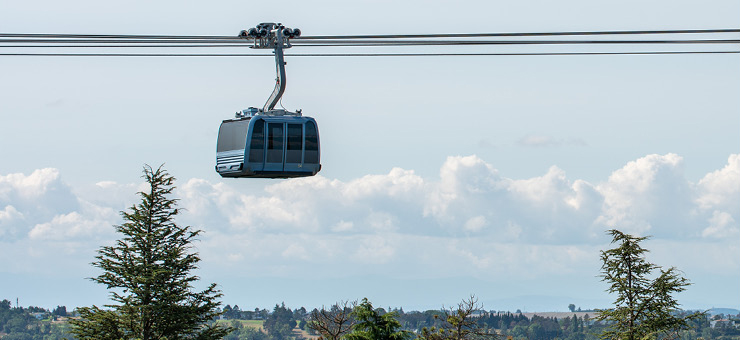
387	36
349	43
359	54
23	41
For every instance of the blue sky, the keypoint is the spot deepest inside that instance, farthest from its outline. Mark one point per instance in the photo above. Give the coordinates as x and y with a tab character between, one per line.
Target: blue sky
442	177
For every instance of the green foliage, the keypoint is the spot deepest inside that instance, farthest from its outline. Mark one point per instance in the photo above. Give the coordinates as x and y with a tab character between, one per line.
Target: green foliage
247	333
60	311
645	307
230	313
373	325
17	323
279	325
148	274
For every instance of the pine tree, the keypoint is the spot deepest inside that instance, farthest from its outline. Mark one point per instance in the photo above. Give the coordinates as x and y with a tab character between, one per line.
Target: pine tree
645	307
148	273
372	325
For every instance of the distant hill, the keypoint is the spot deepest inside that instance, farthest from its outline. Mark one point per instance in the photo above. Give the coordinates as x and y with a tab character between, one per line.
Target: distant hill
543	303
725	311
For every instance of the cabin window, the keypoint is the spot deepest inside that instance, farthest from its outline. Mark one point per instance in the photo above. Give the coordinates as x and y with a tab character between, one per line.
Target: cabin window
295	143
274	142
232	136
312	143
257	146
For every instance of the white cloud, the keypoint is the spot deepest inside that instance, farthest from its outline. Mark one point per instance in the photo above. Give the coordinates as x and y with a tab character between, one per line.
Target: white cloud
32	199
720	190
343	226
649	196
91	222
397	183
295	251
476	223
9	220
10	213
375	249
467	187
470	220
32	186
721	225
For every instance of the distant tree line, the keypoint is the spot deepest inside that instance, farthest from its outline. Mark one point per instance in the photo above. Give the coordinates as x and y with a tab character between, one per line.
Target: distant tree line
283	323
19	323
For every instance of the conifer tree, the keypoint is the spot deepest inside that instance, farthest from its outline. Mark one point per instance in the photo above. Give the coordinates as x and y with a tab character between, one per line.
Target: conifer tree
148	274
645	307
372	325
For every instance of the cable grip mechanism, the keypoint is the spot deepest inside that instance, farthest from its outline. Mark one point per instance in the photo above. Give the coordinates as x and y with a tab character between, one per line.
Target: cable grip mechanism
275	36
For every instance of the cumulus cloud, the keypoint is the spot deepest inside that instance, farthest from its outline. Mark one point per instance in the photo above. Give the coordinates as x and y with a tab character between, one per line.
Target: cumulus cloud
649	196
9	221
90	222
721	225
28	200
718	193
469	219
46	227
459	216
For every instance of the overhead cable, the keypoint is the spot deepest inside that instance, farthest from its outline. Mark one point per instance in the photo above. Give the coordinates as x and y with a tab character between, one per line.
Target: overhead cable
363	43
376	36
359	54
17	44
511	42
514	34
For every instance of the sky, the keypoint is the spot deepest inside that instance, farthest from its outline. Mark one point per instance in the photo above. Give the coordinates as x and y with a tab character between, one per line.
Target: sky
442	177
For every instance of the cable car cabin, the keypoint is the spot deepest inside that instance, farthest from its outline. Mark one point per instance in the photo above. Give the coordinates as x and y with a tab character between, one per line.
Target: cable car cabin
268	147
269	142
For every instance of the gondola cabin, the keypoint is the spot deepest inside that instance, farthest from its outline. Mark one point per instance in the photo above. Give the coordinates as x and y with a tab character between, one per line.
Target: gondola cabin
268	146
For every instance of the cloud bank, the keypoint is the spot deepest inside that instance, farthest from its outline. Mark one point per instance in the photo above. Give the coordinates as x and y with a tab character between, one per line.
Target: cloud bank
470	221
471	199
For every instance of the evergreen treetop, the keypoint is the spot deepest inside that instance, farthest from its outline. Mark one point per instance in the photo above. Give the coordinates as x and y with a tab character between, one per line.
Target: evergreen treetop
645	306
148	273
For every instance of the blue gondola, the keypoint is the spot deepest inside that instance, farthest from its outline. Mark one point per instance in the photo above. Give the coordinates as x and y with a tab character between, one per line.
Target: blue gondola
269	142
257	145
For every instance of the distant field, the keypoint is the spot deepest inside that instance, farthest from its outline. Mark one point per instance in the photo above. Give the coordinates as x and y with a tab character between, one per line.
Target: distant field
304	334
257	324
253	323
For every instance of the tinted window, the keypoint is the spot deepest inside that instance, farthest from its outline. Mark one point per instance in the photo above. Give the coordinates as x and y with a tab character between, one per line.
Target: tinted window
295	136
295	143
312	143
257	144
274	142
232	135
